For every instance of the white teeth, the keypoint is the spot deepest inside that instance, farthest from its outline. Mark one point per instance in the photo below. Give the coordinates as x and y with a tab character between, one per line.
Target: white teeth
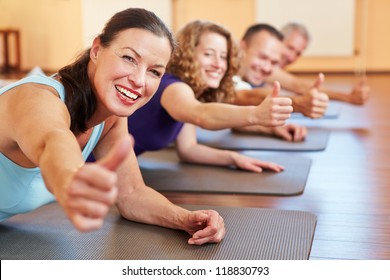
127	93
214	74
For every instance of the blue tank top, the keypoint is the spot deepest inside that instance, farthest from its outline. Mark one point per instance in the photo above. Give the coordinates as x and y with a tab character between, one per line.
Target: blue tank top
151	126
23	189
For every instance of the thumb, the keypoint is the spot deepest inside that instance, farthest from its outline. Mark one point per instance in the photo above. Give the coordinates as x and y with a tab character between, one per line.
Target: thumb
363	81
319	81
199	217
117	154
276	89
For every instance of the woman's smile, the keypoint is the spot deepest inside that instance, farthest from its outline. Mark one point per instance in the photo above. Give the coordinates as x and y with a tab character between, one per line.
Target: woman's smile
127	95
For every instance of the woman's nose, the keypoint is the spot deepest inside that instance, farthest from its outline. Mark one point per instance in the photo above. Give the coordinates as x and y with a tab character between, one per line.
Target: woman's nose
217	62
137	77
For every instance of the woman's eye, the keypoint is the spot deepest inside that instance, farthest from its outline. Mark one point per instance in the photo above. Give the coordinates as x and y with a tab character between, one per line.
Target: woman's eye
156	73
129	58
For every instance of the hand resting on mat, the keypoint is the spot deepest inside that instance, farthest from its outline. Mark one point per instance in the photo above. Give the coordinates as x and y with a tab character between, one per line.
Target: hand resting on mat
251	164
189	150
205	226
289	132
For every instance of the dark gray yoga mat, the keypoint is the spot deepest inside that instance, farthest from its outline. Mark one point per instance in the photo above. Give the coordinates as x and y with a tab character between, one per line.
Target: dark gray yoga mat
163	171
252	234
316	140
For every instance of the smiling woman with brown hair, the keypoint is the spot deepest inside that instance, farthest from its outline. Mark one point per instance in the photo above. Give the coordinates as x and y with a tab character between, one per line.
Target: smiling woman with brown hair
49	126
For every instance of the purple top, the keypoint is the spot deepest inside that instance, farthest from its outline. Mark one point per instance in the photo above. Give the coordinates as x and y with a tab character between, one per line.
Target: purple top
151	126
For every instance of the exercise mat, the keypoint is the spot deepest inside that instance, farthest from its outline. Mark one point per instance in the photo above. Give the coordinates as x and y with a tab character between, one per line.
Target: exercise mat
316	140
252	234
163	171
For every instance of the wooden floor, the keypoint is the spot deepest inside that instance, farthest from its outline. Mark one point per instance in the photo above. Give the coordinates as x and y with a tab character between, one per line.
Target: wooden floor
349	183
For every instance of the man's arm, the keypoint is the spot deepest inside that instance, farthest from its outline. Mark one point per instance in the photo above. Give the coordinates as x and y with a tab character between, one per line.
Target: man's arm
357	96
251	96
290	82
312	105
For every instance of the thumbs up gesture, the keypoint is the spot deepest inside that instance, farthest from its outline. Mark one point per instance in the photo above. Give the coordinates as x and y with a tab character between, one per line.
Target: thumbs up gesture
360	92
274	110
92	189
314	103
319	81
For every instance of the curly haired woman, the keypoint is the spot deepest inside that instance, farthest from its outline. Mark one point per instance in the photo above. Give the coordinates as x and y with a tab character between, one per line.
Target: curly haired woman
197	90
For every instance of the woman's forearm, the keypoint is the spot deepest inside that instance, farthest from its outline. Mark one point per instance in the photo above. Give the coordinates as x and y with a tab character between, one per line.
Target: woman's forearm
59	159
215	116
145	205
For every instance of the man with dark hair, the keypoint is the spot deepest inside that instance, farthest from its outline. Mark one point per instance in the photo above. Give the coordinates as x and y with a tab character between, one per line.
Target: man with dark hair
260	54
296	39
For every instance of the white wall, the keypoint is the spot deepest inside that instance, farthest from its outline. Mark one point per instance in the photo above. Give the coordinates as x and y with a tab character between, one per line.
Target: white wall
330	23
95	13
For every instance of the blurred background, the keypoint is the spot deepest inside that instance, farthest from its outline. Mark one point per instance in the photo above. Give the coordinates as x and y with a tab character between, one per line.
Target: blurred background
347	36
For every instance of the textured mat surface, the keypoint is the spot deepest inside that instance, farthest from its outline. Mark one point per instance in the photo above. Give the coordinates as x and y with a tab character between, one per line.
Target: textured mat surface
252	233
316	140
163	171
